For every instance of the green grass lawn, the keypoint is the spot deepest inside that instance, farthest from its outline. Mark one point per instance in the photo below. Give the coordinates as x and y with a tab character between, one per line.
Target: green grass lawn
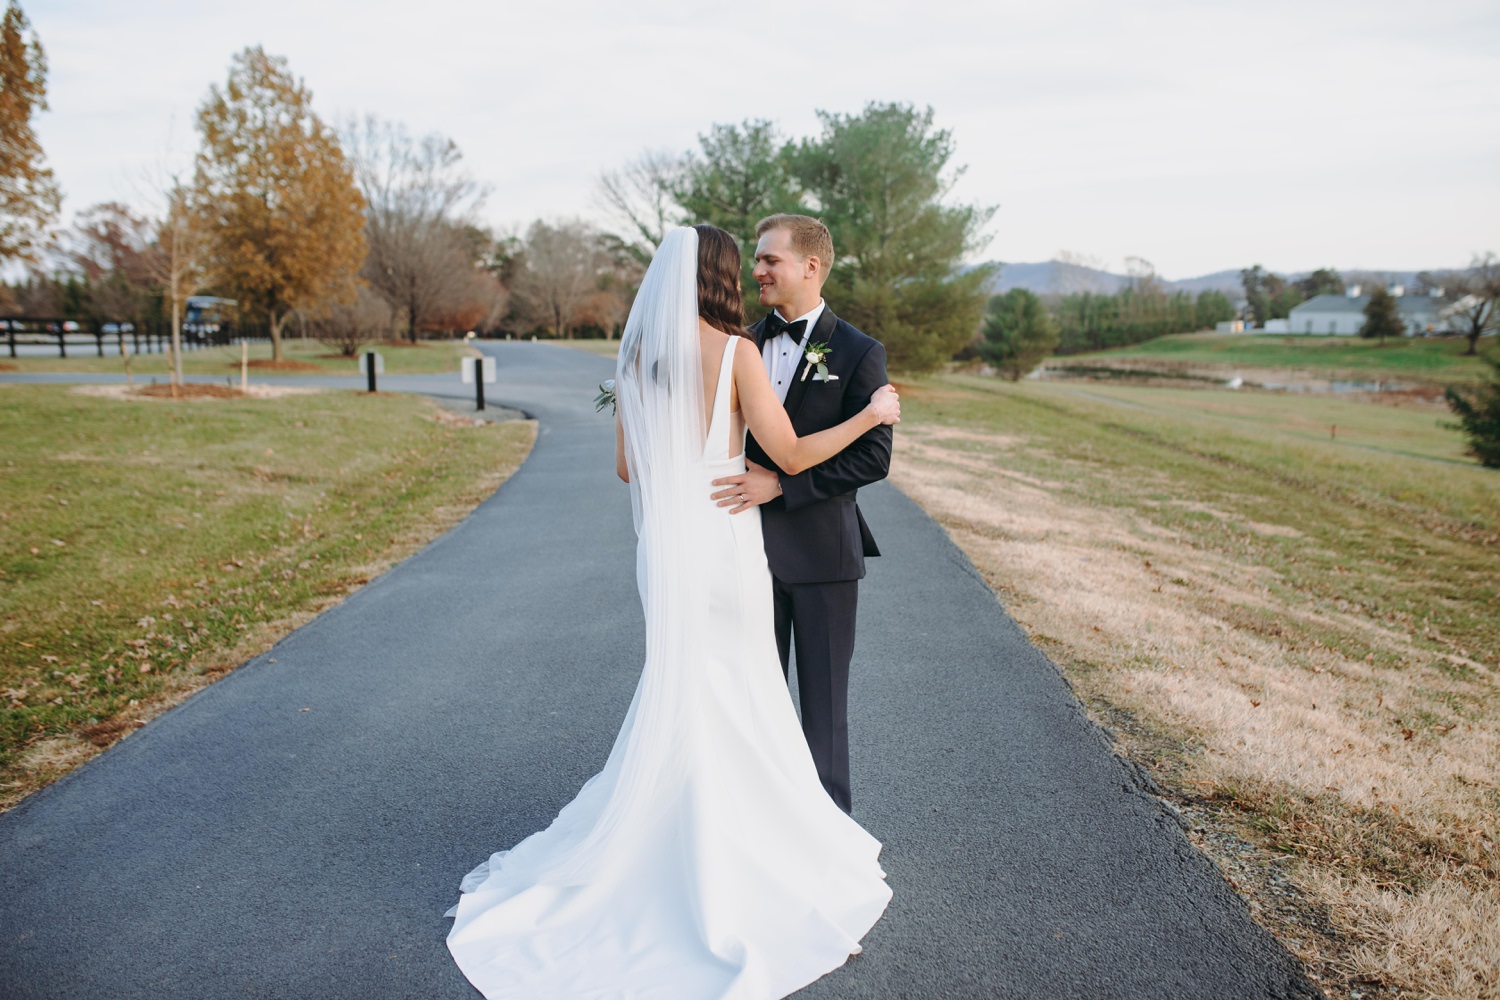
1429	359
1426	360
141	541
1395	516
1337	427
603	348
302	357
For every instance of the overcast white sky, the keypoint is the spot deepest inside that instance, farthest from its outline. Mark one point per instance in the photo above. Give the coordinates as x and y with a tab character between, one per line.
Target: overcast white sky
1198	135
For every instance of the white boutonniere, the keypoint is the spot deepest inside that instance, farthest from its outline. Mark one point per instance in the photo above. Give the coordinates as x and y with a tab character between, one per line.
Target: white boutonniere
817	357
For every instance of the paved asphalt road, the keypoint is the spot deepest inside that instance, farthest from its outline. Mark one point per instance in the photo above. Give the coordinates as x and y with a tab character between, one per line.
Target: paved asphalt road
297	829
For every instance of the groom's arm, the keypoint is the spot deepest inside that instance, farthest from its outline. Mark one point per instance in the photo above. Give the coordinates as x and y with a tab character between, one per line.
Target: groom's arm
866	461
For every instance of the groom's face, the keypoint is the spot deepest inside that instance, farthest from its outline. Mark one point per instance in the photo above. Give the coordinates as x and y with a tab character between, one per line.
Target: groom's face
786	278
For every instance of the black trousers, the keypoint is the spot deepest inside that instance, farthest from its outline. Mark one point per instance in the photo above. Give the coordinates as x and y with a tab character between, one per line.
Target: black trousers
817	619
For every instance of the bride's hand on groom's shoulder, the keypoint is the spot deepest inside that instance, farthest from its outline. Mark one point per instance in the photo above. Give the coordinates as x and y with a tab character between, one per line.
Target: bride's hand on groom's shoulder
885	404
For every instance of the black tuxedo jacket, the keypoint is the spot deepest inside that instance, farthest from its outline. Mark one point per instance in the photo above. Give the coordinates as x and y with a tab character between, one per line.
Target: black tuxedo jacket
814	531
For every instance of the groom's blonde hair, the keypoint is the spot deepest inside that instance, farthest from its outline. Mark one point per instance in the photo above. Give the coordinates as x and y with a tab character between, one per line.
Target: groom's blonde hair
809	237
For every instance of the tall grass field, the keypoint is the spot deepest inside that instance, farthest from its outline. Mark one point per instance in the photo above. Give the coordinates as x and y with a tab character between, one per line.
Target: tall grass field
1285	607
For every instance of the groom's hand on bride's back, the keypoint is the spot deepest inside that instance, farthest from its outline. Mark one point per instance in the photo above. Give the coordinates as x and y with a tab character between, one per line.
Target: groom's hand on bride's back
751	488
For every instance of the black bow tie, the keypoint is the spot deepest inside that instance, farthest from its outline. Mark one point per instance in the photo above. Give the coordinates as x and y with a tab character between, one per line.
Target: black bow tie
775	326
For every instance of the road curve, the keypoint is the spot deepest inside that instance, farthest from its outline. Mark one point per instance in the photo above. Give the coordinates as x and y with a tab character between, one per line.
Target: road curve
297	829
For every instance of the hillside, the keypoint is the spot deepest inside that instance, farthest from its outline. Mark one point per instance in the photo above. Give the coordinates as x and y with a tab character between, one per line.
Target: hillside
1055	277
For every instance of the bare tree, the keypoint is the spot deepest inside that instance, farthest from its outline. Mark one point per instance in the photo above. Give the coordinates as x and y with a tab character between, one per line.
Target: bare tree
181	259
564	265
419	203
36	295
126	260
486	306
480	302
1475	296
1143	277
1073	273
641	197
347	326
485	296
112	248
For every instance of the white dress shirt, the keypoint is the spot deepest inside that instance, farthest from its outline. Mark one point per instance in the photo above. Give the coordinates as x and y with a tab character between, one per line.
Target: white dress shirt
783	357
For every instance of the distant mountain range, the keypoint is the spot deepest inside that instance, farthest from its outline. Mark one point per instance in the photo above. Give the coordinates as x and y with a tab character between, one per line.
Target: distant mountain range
1055	277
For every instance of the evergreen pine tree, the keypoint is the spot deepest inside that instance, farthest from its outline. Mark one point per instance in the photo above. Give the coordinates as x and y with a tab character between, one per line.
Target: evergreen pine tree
1382	318
1019	333
1479	414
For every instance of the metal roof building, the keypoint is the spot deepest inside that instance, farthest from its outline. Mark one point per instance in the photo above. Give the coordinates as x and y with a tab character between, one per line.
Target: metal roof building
1343	315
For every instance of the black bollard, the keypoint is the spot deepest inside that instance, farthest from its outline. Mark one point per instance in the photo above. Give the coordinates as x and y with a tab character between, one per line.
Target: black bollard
370	368
479	383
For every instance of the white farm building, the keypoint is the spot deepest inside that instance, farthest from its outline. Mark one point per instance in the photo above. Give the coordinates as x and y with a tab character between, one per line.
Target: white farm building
1343	315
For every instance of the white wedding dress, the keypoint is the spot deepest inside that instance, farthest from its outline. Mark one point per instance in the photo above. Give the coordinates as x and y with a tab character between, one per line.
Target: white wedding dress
705	861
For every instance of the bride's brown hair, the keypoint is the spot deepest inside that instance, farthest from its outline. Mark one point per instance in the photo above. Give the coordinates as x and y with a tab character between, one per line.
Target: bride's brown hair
719	300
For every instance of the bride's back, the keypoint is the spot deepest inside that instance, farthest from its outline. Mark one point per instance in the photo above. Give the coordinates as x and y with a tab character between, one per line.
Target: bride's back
712	343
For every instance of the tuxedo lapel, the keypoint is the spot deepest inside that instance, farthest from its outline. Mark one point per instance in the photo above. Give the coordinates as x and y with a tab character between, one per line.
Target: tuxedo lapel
821	334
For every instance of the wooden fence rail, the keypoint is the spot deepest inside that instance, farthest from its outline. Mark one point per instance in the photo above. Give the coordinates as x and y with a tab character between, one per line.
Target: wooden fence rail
145	338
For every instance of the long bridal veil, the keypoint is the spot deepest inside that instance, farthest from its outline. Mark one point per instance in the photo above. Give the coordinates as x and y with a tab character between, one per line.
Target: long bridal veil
659	390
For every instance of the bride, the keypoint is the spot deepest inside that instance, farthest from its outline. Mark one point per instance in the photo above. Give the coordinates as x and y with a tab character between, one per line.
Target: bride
705	861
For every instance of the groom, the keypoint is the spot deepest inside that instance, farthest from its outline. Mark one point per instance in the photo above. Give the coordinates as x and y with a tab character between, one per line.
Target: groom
816	540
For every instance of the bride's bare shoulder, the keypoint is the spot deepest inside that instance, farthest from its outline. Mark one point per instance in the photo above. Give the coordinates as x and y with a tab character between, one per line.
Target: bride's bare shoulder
747	362
745	349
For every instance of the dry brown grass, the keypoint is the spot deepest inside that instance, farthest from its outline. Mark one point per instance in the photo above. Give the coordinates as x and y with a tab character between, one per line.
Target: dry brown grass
267	365
190	390
1320	730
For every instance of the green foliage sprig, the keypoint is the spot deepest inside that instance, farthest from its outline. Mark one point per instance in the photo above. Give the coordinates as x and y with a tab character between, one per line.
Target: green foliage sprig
817	356
606	397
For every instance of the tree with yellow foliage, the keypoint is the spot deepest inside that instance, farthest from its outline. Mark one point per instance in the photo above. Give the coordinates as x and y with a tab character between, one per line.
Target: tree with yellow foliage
29	198
282	217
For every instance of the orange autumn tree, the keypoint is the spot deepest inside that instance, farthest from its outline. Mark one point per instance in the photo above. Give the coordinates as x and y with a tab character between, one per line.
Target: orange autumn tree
29	198
283	218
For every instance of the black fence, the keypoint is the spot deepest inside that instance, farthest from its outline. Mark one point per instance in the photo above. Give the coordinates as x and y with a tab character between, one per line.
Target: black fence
143	338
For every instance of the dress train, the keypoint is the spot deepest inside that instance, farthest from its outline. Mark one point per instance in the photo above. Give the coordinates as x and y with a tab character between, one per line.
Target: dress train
731	875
